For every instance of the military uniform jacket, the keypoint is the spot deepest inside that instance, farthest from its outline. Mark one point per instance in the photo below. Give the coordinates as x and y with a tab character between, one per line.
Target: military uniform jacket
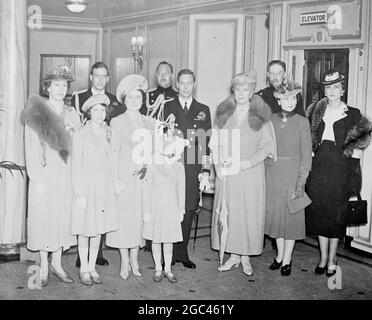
153	95
196	127
113	110
267	95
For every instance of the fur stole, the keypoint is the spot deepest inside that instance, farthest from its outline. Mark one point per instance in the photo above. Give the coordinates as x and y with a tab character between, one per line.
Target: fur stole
259	112
48	126
358	137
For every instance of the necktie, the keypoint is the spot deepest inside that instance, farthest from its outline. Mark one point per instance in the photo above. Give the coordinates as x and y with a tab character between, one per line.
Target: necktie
185	110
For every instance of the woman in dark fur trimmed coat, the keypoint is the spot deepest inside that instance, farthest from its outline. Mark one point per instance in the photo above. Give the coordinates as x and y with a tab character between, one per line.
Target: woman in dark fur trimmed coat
338	134
243	138
48	130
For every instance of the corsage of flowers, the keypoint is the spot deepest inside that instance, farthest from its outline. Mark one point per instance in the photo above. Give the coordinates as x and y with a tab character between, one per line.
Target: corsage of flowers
200	116
141	173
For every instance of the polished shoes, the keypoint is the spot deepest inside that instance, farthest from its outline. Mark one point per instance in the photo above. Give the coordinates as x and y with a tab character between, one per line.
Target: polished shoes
275	265
187	264
286	269
320	270
63	277
331	270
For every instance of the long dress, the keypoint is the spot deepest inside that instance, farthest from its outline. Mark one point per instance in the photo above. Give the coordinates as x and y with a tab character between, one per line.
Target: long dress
245	189
129	203
49	215
293	157
328	183
92	178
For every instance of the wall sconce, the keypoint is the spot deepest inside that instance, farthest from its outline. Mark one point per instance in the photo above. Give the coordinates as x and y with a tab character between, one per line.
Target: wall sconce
137	50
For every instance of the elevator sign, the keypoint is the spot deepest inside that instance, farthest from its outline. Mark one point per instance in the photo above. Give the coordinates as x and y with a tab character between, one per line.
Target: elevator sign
314	18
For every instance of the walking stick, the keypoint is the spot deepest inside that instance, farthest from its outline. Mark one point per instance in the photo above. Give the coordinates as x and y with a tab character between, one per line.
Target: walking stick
197	219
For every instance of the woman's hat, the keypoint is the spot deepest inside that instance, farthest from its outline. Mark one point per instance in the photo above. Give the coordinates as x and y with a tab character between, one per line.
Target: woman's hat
249	78
61	72
287	90
331	77
94	100
128	83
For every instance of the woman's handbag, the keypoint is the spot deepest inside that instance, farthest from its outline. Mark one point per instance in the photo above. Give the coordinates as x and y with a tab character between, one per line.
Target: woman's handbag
356	212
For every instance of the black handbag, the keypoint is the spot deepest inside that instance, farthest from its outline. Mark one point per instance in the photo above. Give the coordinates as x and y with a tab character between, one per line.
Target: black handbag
356	213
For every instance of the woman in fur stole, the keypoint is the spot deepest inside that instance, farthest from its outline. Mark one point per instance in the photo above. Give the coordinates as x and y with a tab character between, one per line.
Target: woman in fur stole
286	178
243	138
94	211
48	131
338	133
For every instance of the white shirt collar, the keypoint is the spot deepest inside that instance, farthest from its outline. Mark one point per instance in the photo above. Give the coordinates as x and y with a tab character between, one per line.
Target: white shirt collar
188	101
94	91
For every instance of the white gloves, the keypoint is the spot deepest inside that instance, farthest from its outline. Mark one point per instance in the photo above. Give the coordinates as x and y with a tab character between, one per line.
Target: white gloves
40	189
119	187
204	182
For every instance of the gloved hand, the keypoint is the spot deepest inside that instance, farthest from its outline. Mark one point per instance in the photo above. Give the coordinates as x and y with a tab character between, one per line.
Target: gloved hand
204	182
119	187
40	188
355	176
82	202
300	189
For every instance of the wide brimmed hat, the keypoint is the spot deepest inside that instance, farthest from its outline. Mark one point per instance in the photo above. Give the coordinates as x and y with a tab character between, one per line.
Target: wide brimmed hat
61	72
94	100
287	90
331	77
128	83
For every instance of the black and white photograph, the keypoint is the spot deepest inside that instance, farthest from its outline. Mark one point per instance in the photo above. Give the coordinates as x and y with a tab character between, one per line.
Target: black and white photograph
186	154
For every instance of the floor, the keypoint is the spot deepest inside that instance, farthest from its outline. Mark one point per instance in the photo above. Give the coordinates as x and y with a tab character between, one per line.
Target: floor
205	282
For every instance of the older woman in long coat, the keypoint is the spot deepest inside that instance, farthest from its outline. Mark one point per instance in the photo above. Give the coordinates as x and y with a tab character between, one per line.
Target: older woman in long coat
243	128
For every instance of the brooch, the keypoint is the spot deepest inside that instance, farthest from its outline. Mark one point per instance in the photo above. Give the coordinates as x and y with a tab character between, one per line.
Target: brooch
200	116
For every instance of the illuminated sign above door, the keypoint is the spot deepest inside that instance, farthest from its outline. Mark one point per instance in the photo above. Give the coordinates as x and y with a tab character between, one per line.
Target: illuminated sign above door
314	18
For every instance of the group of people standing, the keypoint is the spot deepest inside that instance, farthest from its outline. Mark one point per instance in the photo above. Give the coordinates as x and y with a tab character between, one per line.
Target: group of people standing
94	173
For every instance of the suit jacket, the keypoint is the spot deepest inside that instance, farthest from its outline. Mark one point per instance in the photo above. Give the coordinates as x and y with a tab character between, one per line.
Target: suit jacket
113	110
154	93
267	95
196	127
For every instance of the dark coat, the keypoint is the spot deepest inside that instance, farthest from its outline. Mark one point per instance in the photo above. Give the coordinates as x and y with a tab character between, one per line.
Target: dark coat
153	95
187	127
114	109
267	95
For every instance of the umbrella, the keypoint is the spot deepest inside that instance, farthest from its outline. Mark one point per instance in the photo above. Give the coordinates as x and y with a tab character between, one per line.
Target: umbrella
222	213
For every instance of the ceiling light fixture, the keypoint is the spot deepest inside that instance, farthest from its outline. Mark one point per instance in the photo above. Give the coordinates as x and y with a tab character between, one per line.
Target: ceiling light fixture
76	6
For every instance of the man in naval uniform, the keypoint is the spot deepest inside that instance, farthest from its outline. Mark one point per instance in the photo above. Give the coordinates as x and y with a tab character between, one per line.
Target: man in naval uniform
192	122
164	76
276	76
99	77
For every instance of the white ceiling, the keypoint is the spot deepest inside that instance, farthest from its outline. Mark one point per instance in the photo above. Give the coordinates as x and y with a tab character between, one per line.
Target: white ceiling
104	9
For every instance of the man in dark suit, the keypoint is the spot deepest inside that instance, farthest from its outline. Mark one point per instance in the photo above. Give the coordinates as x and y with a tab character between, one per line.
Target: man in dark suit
192	122
99	77
276	75
164	75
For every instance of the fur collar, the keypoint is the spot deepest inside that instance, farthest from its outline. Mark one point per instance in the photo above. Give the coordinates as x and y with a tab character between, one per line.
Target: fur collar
258	114
48	126
358	137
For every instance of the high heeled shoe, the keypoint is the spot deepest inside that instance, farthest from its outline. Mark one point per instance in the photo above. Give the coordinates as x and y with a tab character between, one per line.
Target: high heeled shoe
62	277
125	275
247	268
170	276
157	276
85	278
275	265
286	269
320	270
231	262
331	270
45	281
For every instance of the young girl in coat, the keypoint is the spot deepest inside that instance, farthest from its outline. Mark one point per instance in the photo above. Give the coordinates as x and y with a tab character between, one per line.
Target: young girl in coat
94	203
